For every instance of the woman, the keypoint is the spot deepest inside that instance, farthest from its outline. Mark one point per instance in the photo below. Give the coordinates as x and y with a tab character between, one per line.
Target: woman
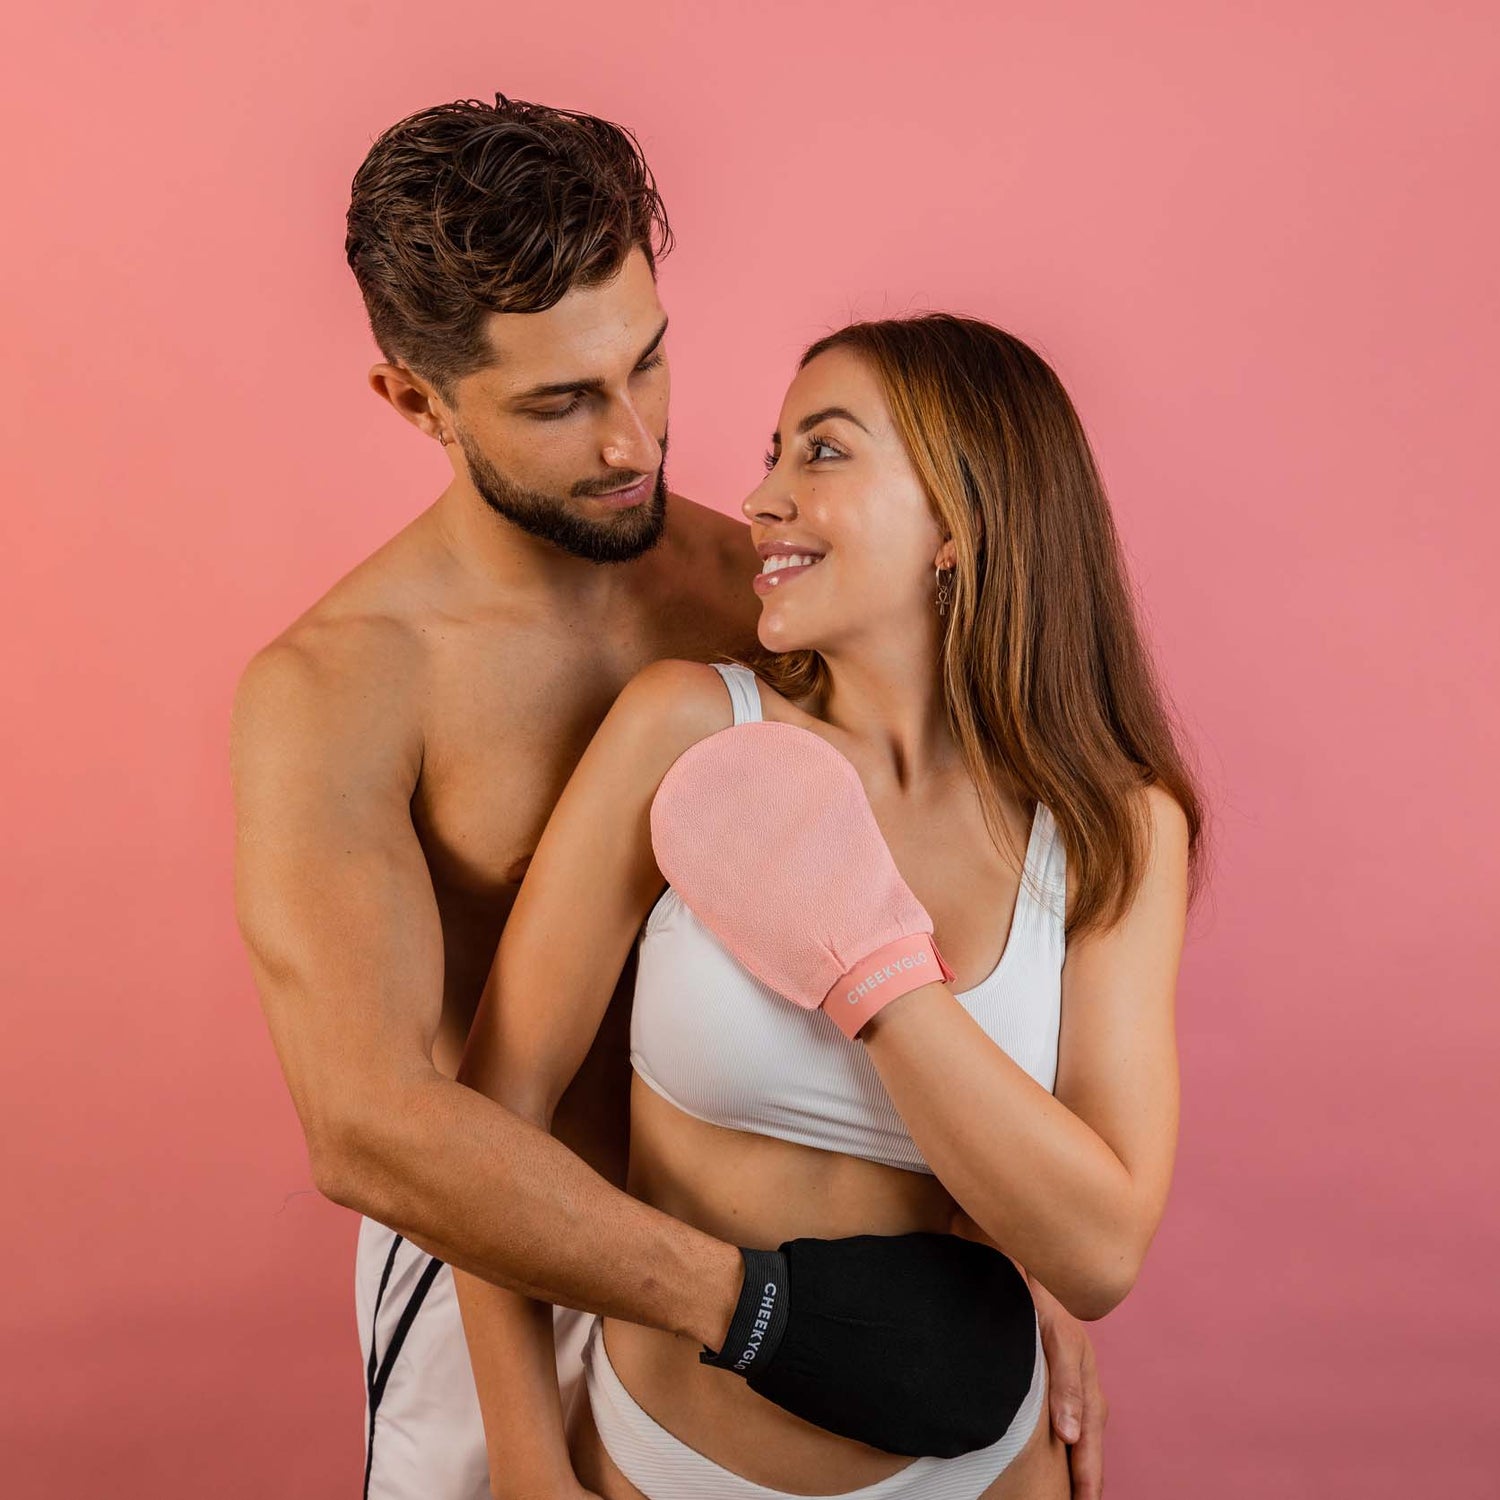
943	605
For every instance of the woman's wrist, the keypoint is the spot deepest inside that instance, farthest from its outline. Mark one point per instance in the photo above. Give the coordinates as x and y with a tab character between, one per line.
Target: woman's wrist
513	1481
906	1011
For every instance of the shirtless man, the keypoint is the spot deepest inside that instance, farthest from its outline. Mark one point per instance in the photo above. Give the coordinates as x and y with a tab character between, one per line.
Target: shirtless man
398	749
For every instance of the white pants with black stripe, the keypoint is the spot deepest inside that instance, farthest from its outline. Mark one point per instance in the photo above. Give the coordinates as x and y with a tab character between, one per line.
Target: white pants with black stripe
423	1436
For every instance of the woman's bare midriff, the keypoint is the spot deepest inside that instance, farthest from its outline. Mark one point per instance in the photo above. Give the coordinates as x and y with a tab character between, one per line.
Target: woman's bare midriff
755	1190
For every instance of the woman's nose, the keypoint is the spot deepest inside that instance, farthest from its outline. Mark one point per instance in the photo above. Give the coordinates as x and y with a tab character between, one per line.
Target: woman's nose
769	501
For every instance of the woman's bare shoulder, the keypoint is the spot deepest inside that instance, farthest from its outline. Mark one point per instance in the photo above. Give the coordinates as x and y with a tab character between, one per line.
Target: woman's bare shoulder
666	708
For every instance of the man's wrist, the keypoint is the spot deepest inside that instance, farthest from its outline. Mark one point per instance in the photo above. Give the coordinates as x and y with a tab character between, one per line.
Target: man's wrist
760	1316
716	1295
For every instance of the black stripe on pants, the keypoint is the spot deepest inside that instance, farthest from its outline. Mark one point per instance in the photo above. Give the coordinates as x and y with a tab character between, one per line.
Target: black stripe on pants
377	1377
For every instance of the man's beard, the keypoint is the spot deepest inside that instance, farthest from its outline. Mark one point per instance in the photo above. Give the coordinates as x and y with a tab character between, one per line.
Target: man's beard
619	537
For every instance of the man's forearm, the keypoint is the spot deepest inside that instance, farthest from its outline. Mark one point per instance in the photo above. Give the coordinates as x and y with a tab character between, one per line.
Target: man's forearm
496	1196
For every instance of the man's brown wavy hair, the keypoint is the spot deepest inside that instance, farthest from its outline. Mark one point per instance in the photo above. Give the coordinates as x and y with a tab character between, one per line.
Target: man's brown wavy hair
1049	688
471	208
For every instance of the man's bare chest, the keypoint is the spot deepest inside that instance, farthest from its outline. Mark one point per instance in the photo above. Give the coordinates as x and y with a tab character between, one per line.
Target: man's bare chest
504	729
498	751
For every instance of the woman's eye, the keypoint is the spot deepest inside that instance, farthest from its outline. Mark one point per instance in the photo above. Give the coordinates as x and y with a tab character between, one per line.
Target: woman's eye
817	451
649	364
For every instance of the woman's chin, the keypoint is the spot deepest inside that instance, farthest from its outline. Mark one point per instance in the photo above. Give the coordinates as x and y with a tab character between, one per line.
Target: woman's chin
775	634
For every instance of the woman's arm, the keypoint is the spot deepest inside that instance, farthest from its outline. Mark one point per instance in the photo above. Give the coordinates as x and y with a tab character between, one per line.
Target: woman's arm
1071	1185
588	889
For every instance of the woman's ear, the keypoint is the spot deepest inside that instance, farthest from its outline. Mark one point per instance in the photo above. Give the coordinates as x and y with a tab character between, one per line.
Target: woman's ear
947	556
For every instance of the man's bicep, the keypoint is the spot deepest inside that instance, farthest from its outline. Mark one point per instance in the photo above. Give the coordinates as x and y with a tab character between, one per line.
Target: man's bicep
333	893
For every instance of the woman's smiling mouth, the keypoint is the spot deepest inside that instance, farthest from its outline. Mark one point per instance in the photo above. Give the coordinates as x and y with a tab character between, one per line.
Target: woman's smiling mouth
781	563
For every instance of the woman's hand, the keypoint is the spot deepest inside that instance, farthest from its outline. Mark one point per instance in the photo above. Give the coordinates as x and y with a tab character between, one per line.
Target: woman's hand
1079	1410
766	833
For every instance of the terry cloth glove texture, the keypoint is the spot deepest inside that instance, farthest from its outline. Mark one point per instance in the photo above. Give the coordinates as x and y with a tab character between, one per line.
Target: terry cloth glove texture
766	834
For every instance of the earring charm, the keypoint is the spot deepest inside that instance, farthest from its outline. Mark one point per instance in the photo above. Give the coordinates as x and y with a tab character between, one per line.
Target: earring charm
944	590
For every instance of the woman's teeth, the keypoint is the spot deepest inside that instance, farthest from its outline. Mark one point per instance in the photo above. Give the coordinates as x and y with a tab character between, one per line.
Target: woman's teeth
795	560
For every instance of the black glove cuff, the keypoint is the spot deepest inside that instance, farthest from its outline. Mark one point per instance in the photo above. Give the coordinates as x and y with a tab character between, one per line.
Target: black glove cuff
759	1318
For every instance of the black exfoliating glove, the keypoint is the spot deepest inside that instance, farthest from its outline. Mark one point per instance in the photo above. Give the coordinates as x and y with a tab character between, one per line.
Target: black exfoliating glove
919	1344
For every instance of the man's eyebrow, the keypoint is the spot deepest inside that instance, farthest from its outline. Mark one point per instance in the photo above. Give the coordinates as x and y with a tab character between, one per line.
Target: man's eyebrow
812	419
650	348
576	387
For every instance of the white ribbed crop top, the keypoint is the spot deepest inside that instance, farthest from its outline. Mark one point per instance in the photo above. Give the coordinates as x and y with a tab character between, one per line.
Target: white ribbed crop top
717	1043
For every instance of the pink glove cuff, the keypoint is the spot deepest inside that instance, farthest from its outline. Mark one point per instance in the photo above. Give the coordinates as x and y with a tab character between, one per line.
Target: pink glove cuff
886	975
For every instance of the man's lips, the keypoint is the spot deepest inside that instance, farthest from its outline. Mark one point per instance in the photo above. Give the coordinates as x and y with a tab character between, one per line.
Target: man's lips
632	495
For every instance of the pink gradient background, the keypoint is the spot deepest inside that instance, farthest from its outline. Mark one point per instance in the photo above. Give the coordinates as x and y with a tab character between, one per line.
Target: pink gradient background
1259	247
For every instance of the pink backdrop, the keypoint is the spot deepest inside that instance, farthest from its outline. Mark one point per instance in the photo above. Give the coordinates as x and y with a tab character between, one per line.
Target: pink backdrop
1261	250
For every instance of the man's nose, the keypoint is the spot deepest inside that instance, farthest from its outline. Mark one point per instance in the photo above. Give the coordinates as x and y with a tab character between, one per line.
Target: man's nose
630	443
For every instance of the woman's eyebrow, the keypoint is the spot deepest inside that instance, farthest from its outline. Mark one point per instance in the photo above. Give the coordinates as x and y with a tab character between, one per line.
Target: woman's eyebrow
812	419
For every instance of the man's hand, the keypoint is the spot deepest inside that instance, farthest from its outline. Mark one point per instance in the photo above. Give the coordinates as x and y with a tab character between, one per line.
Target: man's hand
1079	1410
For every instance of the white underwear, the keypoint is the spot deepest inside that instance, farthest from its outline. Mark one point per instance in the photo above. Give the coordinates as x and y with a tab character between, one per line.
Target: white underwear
663	1467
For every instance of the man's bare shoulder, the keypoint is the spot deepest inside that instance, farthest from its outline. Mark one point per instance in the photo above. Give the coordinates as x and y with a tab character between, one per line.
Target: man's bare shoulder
714	536
711	565
328	669
352	666
328	718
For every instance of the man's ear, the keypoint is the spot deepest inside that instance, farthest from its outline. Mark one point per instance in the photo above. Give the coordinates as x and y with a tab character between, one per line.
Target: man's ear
417	402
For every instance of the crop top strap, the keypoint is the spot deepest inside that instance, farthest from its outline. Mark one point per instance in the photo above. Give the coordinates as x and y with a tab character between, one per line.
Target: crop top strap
1046	880
743	692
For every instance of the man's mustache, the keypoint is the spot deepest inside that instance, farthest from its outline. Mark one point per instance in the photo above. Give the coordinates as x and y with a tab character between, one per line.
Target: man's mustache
588	488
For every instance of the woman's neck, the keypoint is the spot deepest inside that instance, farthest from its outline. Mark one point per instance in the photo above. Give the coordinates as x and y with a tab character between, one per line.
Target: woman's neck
891	703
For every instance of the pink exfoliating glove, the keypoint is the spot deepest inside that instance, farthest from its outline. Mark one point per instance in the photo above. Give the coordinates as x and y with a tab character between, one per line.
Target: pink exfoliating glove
766	834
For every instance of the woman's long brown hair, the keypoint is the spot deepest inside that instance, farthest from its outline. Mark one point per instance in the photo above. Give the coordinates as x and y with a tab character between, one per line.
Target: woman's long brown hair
1050	691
